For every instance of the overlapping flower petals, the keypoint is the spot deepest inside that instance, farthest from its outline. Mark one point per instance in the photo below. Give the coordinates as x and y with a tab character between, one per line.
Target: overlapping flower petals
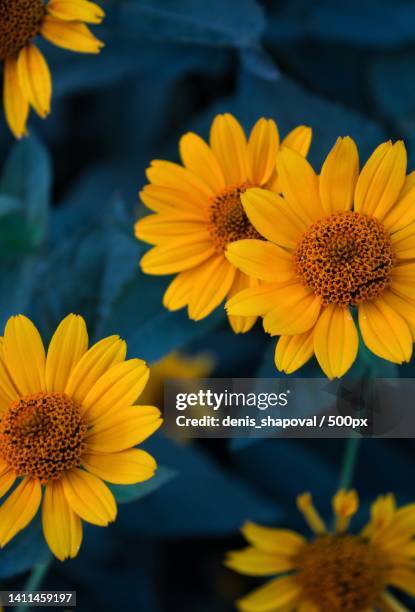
381	190
181	196
27	78
105	387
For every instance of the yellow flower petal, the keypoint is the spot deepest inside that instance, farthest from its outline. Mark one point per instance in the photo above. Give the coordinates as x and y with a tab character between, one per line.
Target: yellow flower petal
292	352
403	580
391	604
311	515
173	201
180	289
19	509
339	176
199	158
381	180
8	391
76	10
403	306
71	35
262	260
16	106
156	229
262	148
89	497
335	340
62	528
175	177
228	142
296	311
118	387
403	289
384	331
93	364
403	212
299	139
403	242
178	255
405	517
299	185
241	325
404	272
273	217
382	513
7	480
272	540
403	280
345	505
271	597
126	467
127	427
35	80
68	345
254	562
24	355
212	285
254	301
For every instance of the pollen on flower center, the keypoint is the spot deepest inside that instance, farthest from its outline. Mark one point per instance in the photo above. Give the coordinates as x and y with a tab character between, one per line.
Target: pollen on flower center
341	573
346	258
42	435
227	219
20	21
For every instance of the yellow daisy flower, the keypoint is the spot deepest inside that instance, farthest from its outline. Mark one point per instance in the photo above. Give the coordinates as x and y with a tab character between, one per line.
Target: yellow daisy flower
198	211
336	242
27	80
67	423
335	571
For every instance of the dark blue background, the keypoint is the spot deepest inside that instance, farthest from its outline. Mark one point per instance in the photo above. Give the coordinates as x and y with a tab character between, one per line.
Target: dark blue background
68	200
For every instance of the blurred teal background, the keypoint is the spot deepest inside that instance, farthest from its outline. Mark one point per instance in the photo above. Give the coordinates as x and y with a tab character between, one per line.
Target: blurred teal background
68	200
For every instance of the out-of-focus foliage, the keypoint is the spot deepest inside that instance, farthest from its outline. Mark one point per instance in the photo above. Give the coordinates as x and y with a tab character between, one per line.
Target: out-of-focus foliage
68	200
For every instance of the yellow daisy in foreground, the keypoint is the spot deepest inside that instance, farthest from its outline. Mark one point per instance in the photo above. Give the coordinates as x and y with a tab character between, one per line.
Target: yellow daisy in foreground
336	242
27	80
334	571
198	211
67	423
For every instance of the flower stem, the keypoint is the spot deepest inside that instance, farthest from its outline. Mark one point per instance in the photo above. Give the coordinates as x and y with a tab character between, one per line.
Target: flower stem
35	579
353	444
349	462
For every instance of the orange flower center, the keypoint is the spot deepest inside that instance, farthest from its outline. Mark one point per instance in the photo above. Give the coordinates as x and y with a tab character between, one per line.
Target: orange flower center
20	21
341	573
42	435
346	258
227	219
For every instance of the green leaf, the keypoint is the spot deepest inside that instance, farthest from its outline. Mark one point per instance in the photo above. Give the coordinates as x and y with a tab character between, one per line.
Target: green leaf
391	79
150	330
9	204
232	23
18	279
368	24
26	179
27	549
127	493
